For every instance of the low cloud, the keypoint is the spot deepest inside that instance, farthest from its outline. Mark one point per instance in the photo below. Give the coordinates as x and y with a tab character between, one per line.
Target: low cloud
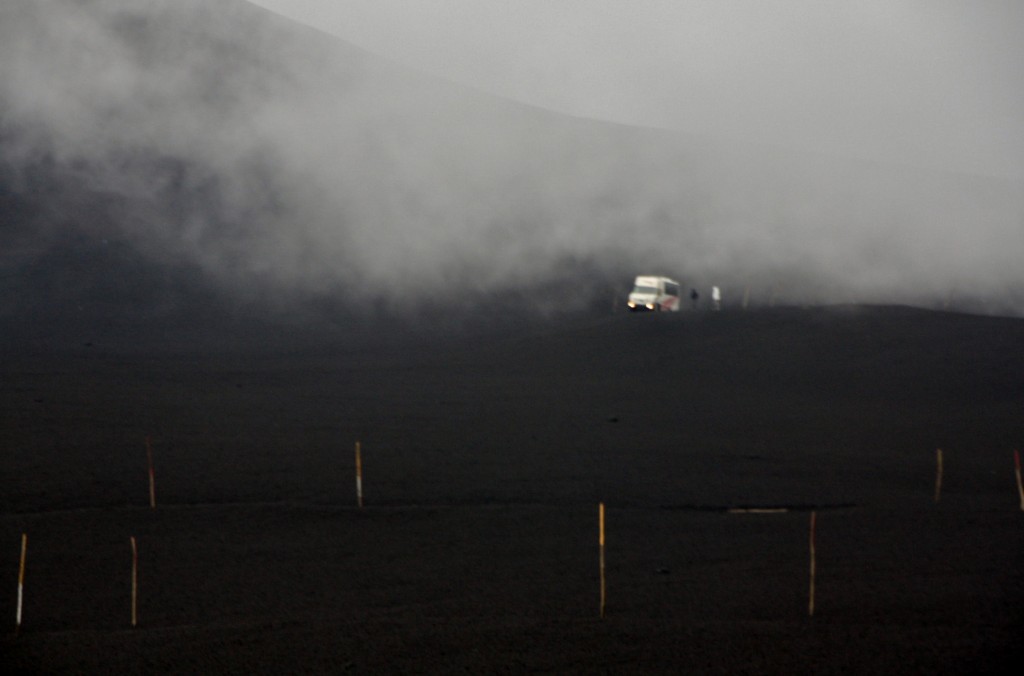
280	161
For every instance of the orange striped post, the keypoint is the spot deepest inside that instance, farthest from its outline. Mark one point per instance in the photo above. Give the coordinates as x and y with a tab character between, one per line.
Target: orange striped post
600	546
1020	486
810	603
152	476
135	580
359	475
21	582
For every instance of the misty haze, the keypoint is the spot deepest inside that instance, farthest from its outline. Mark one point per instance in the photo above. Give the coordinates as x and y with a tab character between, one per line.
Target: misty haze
276	162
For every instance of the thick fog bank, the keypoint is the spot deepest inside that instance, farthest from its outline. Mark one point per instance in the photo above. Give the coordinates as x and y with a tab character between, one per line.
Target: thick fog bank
220	142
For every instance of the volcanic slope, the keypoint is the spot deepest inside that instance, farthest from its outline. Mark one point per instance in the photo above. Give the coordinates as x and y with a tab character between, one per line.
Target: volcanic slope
484	456
826	405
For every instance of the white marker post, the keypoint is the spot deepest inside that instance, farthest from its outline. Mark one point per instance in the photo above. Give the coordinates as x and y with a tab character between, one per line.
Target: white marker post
21	582
1020	487
135	581
810	603
152	475
600	547
359	476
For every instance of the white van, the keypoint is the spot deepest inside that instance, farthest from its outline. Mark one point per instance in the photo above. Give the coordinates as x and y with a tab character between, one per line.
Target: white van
654	294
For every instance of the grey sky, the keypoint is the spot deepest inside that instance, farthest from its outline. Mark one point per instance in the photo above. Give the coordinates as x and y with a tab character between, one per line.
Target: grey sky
925	82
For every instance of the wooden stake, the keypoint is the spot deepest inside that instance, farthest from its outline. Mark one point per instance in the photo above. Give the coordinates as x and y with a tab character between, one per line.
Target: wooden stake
135	581
21	582
600	546
810	604
1020	487
359	476
938	473
152	477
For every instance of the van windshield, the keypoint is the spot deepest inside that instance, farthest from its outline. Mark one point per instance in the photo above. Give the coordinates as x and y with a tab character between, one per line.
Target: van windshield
645	289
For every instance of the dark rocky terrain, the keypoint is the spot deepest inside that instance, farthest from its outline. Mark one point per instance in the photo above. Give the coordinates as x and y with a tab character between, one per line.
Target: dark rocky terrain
485	455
